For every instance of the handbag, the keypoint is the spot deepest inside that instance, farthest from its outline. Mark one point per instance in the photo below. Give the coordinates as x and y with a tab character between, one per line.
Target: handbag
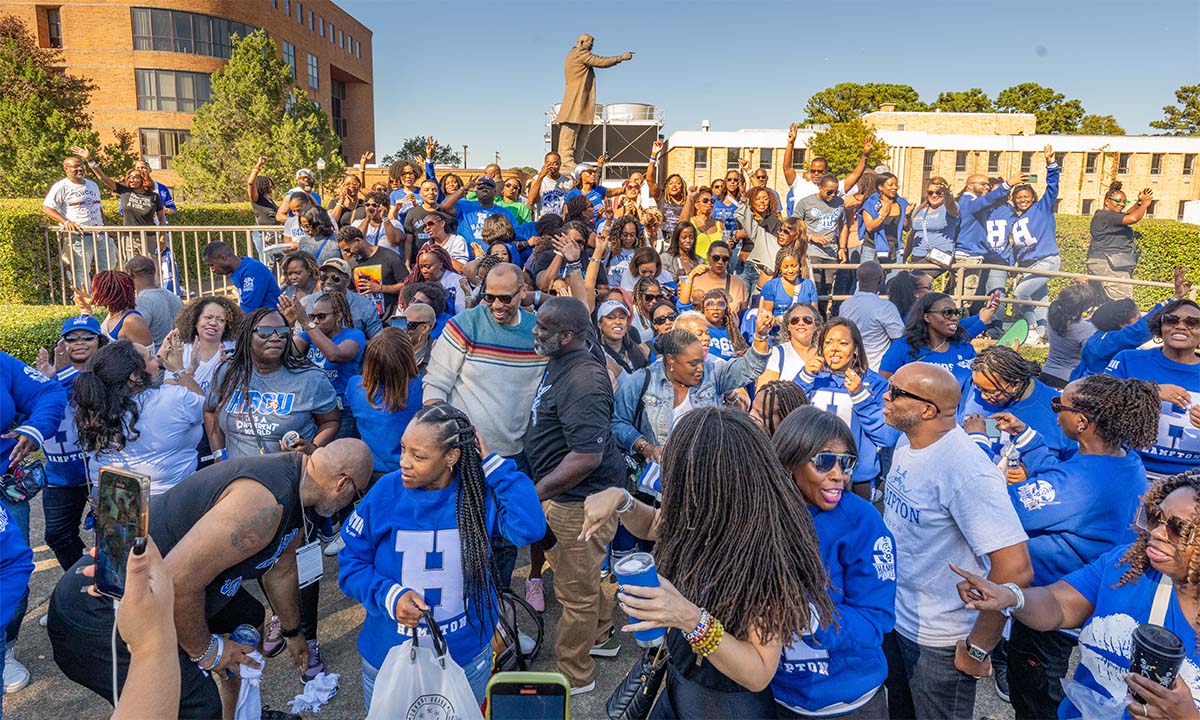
635	694
1121	260
419	681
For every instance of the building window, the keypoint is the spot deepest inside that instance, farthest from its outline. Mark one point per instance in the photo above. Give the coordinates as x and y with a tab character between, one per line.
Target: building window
1189	163
337	95
1150	210
184	32
312	23
341	39
289	56
1089	166
700	159
287	7
1182	205
960	161
172	90
321	26
731	158
274	4
766	158
1086	209
330	33
159	146
993	162
299	13
798	158
1123	163
930	160
54	27
1156	164
357	49
314	77
1026	162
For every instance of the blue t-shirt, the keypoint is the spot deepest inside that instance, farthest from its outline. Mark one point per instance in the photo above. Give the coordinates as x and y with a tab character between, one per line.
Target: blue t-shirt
723	213
256	285
1178	446
719	343
379	429
1106	641
956	358
805	293
339	374
471	216
1034	411
595	196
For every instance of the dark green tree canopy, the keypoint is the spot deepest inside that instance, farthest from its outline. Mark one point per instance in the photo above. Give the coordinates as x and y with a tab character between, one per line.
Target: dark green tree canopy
849	101
973	100
1100	125
1182	118
1055	113
841	144
414	149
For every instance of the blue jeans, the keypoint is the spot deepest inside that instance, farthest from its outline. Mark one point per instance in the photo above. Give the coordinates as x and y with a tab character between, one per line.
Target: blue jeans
63	507
1035	287
20	513
478	671
922	682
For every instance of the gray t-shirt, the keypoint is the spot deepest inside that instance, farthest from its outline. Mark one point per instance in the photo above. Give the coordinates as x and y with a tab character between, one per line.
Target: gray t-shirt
282	401
945	503
822	218
159	306
1066	350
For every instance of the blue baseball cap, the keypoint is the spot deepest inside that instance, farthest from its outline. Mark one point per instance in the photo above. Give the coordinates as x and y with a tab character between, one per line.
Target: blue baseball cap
81	322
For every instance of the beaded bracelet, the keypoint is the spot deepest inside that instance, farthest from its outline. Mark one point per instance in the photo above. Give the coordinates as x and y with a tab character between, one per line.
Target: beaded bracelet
711	641
694	636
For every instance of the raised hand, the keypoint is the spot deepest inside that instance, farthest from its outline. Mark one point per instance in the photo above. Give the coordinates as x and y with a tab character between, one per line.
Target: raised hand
1049	152
1017	179
83	153
1183	286
853	381
430	146
1146	195
868	144
814	365
365	158
1009	423
656	148
43	363
567	247
792	130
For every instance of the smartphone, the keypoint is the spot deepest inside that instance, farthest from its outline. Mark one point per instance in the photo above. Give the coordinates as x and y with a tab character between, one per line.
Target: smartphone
122	516
399	321
993	429
528	696
1031	178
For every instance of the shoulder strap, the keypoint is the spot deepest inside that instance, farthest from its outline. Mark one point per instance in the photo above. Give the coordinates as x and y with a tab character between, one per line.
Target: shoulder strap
1162	599
322	245
641	403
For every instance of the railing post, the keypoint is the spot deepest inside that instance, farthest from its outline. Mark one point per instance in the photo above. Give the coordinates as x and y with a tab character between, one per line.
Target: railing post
960	280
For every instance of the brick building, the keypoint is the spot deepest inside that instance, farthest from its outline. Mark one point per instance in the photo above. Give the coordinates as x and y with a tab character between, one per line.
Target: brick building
955	145
152	62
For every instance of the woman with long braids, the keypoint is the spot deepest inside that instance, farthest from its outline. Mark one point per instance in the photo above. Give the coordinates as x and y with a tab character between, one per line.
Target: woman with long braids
938	334
1073	511
838	671
732	593
331	342
113	290
1155	579
798	342
1003	381
434	265
773	402
724	339
451	495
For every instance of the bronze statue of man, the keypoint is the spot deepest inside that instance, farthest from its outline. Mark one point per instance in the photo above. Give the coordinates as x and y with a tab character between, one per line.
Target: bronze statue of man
578	111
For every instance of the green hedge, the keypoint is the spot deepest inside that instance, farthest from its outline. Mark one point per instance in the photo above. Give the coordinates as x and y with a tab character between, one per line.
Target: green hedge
24	329
24	275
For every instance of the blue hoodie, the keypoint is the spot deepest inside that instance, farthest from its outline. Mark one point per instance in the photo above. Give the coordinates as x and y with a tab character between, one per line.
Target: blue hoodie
1032	233
1178	446
64	460
863	412
16	565
1074	510
379	429
973	213
957	357
835	666
30	398
376	570
1099	349
1034	411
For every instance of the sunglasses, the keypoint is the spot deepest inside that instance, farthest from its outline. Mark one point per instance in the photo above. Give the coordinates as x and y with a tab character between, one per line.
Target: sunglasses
318	317
1191	322
80	338
897	392
732	180
664	319
704	201
719	259
266	331
489	298
652	297
798	319
720	304
371	204
1057	406
760	177
1148	519
23	481
416	324
1115	201
826	461
950	313
336	276
934	193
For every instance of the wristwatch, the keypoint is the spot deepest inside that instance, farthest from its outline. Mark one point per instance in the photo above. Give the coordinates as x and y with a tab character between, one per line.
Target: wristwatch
311	325
180	373
977	653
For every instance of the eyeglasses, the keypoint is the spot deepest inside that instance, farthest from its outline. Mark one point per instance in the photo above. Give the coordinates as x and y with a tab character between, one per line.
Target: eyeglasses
266	331
664	319
950	313
1148	519
704	201
1057	406
23	481
335	276
652	297
489	298
798	319
80	338
924	287
897	392
825	461
934	193
1007	392
1191	322
719	304
319	317
714	259
371	204
416	324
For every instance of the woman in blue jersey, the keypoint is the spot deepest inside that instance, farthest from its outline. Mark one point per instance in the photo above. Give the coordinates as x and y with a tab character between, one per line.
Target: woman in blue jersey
386	396
1029	221
881	222
838	671
787	288
1175	367
937	333
840	381
724	340
420	540
331	342
1003	381
1074	510
1155	579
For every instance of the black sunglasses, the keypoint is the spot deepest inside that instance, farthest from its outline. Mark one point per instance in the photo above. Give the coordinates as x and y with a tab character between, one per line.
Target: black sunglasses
318	317
719	258
414	324
664	319
806	319
1148	519
333	276
1191	322
489	298
897	392
1057	406
825	461
266	331
950	313
652	297
77	338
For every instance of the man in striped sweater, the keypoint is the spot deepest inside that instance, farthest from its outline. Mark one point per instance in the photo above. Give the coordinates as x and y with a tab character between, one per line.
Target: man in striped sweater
484	364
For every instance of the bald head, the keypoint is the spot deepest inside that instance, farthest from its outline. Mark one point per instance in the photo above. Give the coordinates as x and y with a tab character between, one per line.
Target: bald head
933	382
350	457
504	279
584	42
870	276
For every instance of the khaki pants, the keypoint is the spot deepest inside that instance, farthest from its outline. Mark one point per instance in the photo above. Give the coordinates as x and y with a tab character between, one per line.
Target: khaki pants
570	137
1115	291
586	610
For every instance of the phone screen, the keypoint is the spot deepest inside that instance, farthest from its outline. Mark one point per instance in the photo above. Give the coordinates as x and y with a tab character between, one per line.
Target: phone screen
527	701
122	515
993	429
399	321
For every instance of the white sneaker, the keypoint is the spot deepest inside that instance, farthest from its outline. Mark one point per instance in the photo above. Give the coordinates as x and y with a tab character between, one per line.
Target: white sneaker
1034	337
43	620
584	689
335	547
16	675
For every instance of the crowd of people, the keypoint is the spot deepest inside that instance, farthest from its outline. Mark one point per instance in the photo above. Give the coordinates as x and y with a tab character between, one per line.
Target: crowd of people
858	508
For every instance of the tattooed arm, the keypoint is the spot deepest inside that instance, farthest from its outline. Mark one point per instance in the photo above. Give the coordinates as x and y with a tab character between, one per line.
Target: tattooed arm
211	547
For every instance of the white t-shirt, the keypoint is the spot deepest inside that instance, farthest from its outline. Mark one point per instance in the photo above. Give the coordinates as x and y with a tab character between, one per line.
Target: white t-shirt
450	281
945	503
79	203
377	234
204	371
553	194
786	361
682	409
456	246
171	422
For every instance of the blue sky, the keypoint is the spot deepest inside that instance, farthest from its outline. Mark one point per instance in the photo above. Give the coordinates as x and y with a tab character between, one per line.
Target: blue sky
485	74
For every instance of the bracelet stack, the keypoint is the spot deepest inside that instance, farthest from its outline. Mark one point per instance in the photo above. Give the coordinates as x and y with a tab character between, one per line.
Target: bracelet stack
707	636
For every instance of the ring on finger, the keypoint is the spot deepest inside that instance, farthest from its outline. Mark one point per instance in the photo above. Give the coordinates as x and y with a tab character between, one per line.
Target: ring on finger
1145	710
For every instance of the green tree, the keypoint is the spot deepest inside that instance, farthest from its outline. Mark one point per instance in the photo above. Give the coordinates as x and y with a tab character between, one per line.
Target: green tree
849	101
414	149
1184	118
841	144
973	100
1055	113
254	111
43	111
1100	125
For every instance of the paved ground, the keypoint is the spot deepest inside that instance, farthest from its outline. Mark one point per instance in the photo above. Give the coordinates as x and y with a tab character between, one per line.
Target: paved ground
50	695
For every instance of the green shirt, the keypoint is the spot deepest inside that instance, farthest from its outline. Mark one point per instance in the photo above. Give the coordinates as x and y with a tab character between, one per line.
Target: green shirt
519	210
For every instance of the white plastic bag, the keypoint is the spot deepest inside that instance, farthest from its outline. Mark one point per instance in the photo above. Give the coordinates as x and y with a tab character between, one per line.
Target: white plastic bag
1091	704
422	680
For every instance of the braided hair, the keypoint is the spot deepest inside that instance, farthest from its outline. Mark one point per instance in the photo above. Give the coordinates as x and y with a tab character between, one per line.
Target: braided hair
729	319
238	369
780	398
340	305
1003	366
113	291
453	430
1125	412
718	469
916	330
796	253
429	248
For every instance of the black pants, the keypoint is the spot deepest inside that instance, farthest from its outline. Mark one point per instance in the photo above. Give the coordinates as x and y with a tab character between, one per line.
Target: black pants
683	699
63	508
1037	662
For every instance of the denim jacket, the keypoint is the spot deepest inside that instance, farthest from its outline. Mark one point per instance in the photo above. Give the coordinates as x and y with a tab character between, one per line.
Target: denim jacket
720	377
